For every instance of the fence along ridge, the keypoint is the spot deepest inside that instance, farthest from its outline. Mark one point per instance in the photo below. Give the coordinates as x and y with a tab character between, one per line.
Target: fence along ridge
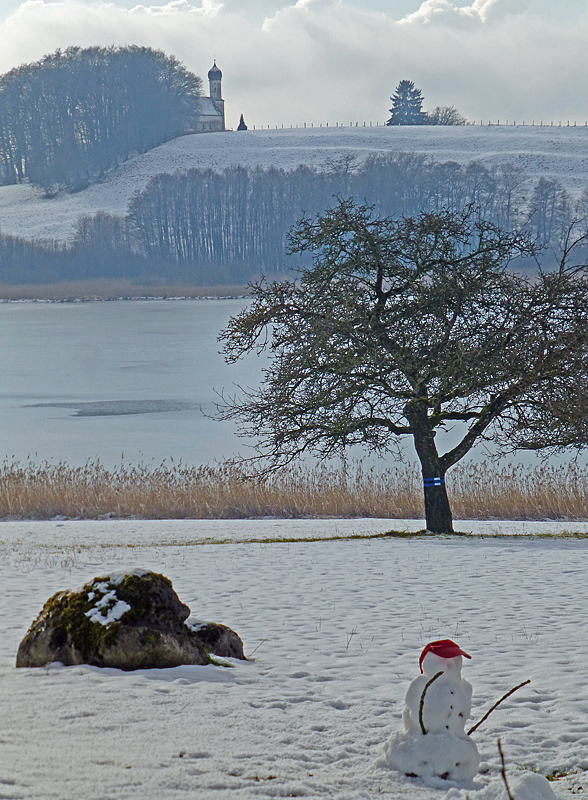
469	124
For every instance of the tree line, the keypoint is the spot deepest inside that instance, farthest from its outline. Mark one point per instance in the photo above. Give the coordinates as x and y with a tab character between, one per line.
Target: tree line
213	227
407	109
73	115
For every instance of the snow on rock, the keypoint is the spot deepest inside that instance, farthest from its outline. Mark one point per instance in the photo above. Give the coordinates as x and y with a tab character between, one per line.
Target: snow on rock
116	578
107	608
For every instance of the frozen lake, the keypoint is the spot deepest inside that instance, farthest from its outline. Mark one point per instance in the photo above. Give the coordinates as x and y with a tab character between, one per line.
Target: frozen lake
107	379
126	380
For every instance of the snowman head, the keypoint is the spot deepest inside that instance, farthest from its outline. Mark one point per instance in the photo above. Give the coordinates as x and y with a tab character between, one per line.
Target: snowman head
442	656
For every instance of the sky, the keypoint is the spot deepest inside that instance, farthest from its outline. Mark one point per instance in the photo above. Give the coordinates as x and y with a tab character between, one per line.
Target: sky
290	62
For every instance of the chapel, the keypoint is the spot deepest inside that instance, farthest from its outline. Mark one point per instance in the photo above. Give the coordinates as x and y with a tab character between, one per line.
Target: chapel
211	116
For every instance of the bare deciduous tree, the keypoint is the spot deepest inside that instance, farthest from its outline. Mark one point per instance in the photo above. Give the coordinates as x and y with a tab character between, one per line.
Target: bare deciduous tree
402	328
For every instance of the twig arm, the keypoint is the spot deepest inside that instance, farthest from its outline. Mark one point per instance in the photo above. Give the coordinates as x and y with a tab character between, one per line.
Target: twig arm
422	703
503	770
487	714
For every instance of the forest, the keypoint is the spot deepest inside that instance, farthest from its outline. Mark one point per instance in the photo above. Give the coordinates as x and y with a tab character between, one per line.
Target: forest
74	115
211	227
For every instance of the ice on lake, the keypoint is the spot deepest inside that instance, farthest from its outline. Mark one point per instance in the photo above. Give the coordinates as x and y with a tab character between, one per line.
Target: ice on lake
103	379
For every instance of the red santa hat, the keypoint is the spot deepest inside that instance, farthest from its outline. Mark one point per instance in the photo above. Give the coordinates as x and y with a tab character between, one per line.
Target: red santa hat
444	648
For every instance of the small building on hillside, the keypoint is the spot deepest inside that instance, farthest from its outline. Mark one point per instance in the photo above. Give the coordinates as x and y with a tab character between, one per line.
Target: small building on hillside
211	115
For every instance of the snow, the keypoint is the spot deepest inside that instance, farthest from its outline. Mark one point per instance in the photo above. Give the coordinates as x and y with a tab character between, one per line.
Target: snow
108	608
454	759
532	787
334	630
553	152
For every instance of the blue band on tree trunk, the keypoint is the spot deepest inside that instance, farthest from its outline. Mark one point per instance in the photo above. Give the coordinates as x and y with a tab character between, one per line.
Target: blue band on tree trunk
428	482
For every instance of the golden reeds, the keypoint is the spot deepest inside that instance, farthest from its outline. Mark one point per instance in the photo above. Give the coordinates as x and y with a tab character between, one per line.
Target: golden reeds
224	491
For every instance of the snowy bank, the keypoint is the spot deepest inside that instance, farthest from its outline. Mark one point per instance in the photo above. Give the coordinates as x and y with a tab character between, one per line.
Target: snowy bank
335	629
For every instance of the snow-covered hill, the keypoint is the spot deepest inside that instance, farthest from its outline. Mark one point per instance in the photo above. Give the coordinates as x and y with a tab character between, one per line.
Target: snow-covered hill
550	151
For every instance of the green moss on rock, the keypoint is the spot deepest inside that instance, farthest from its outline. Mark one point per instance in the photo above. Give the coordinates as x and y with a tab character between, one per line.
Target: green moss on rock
66	613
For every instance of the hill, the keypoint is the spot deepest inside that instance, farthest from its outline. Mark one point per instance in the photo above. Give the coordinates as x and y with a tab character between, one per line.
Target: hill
551	152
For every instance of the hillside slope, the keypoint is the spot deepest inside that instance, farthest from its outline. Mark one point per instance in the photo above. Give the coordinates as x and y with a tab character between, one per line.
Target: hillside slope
560	153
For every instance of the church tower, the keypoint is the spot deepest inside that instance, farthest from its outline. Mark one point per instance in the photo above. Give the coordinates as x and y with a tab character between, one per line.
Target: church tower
215	77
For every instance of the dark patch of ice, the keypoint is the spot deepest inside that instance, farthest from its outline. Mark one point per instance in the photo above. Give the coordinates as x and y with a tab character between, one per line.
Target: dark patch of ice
113	408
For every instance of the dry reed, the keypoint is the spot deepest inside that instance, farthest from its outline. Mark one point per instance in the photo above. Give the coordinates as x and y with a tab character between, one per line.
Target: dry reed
224	491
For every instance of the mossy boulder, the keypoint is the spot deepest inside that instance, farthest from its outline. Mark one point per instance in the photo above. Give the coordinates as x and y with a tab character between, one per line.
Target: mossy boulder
130	621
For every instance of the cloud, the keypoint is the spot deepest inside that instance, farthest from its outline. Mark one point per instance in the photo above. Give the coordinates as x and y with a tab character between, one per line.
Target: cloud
479	12
317	61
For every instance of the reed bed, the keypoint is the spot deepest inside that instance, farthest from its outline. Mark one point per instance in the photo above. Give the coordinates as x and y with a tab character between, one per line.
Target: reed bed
225	491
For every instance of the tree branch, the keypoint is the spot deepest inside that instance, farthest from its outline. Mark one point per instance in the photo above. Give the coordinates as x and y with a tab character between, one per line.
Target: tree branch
487	714
422	703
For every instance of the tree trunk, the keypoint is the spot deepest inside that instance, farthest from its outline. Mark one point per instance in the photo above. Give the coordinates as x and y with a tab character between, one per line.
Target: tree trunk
437	510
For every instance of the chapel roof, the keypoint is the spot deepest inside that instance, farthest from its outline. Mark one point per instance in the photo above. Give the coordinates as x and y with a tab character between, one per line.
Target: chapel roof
214	73
207	108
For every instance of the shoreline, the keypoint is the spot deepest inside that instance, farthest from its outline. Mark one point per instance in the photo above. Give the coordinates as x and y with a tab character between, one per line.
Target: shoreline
114	291
123	298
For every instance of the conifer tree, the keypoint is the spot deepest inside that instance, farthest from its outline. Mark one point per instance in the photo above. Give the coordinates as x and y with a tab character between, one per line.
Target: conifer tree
407	102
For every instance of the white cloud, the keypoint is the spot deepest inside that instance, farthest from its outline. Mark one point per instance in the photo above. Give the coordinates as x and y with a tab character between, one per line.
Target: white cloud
479	12
208	8
329	61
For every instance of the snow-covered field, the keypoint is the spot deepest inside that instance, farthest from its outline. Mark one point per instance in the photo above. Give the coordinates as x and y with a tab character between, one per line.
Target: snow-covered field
334	628
554	152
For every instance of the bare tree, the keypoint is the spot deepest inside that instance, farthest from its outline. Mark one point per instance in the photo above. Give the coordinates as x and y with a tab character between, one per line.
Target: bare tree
444	115
404	327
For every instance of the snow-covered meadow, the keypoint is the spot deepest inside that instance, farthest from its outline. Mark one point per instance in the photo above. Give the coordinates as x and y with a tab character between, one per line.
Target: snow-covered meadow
334	629
551	152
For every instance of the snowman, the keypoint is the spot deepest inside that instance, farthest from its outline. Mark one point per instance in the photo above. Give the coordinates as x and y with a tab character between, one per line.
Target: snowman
438	703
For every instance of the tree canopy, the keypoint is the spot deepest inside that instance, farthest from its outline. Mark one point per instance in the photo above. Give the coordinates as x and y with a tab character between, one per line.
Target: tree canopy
76	113
405	328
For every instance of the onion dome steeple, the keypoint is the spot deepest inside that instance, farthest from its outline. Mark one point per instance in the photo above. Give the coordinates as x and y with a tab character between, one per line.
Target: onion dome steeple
214	73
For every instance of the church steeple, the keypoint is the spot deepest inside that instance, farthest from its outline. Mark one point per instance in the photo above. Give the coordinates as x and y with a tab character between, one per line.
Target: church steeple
215	77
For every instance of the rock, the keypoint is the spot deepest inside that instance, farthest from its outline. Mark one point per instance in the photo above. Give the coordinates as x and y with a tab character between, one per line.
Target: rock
130	621
219	639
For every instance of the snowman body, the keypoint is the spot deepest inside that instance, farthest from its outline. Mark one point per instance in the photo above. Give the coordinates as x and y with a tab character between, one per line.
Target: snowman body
444	750
448	700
